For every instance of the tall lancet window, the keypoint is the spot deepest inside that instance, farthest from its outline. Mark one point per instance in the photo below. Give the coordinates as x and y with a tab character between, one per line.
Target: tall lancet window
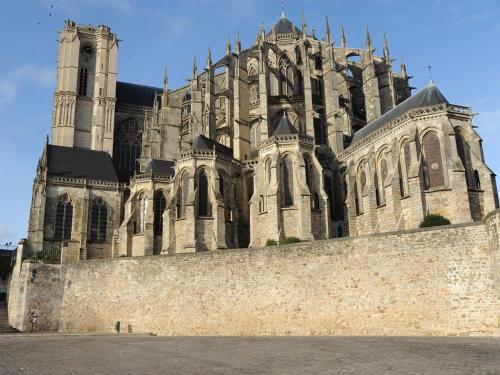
159	205
83	81
127	148
98	221
64	219
286	76
203	199
287	182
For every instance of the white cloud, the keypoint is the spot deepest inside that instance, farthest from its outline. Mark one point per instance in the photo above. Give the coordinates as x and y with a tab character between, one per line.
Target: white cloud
23	75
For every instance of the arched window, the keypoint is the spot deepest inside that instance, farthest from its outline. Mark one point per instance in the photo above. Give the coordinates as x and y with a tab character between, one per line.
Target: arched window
299	87
477	180
203	199
250	188
286	76
403	168
318	61
464	154
140	214
83	81
98	221
433	162
127	148
360	188
252	72
380	178
287	181
186	105
159	205
254	94
64	219
268	172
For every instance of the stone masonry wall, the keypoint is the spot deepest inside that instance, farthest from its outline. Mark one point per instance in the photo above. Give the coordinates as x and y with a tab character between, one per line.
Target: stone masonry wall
420	282
43	295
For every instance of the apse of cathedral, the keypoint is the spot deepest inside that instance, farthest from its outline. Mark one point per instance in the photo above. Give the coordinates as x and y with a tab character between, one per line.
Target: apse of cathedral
294	136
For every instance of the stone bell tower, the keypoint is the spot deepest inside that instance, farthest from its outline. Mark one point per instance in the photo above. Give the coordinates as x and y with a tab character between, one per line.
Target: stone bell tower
85	97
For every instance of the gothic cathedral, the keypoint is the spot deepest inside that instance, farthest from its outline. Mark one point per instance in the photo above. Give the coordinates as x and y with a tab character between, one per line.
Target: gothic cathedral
291	137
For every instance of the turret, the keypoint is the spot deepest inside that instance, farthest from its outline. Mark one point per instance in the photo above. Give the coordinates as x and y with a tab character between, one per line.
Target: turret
228	46
209	59
238	43
342	37
369	46
387	56
304	26
328	36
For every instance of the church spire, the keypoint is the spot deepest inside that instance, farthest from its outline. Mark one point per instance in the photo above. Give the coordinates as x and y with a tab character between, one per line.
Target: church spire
328	38
195	69
342	37
238	43
404	73
387	56
228	46
283	9
368	41
209	58
165	80
304	25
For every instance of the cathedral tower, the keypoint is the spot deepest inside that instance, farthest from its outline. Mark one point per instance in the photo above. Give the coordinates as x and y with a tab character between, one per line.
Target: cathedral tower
84	101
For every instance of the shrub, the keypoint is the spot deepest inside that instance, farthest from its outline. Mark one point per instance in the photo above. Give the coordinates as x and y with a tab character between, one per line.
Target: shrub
290	240
271	242
433	220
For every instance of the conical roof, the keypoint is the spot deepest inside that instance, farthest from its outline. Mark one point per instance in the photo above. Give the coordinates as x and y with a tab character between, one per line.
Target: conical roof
285	127
285	26
424	98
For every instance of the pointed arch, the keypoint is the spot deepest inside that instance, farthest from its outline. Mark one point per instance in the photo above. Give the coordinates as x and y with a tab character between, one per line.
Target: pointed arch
433	161
127	147
64	218
159	206
98	221
286	76
287	181
203	194
404	163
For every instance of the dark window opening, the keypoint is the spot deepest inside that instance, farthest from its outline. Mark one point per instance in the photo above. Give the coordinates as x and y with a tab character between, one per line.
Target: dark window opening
64	219
83	81
160	203
287	181
203	201
98	222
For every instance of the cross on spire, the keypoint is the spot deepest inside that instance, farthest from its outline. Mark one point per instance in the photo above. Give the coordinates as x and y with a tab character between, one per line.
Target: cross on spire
431	82
282	8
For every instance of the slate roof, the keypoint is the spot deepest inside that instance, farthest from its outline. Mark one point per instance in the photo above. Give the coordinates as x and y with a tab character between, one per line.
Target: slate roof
426	97
203	143
284	26
161	167
131	93
285	127
80	163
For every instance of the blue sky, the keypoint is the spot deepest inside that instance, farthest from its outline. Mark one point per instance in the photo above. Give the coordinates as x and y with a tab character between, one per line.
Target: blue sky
459	38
